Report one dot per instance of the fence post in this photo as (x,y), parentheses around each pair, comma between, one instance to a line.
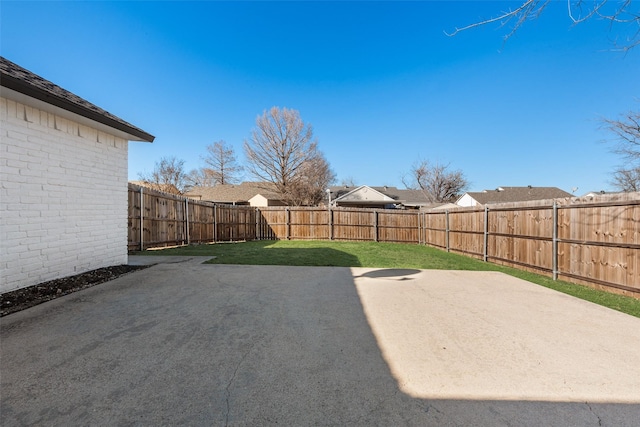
(486,233)
(330,223)
(287,221)
(375,226)
(554,245)
(141,220)
(215,223)
(446,232)
(186,219)
(257,224)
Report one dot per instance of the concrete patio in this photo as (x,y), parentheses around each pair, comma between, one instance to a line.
(182,343)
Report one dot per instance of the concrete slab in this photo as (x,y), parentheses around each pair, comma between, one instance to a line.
(187,343)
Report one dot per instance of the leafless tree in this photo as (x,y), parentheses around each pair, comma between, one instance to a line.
(436,182)
(627,180)
(281,149)
(627,132)
(203,177)
(623,13)
(168,175)
(222,165)
(348,182)
(314,178)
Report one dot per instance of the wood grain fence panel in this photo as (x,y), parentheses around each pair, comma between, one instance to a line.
(435,229)
(527,222)
(163,223)
(133,235)
(600,224)
(353,224)
(466,232)
(309,223)
(521,251)
(399,227)
(201,223)
(600,264)
(467,243)
(275,220)
(236,223)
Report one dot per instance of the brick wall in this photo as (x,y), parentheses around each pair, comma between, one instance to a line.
(63,197)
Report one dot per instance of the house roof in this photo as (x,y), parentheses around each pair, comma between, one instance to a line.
(404,196)
(365,195)
(517,194)
(235,193)
(24,82)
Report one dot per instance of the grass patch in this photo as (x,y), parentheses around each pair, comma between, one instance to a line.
(381,255)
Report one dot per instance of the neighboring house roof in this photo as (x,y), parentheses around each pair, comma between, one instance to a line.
(414,198)
(364,195)
(234,193)
(26,83)
(167,188)
(516,194)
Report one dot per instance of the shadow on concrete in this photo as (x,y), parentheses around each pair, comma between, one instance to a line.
(230,345)
(390,273)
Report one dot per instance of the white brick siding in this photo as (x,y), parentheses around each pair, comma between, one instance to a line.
(63,197)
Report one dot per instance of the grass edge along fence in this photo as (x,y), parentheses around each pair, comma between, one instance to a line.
(593,241)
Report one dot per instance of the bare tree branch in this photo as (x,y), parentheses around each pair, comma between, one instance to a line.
(627,180)
(627,137)
(223,167)
(168,176)
(616,12)
(437,183)
(282,150)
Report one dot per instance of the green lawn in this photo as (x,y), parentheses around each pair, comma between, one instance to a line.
(380,255)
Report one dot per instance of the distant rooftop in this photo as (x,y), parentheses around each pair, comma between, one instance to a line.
(518,194)
(234,193)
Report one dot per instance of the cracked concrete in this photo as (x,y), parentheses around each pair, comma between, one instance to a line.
(192,344)
(228,388)
(596,415)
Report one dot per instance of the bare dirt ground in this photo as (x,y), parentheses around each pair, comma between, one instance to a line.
(20,299)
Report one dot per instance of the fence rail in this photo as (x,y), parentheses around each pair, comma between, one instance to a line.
(592,241)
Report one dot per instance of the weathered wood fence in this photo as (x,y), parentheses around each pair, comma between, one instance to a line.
(593,241)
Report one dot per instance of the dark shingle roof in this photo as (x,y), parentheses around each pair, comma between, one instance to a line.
(14,77)
(518,194)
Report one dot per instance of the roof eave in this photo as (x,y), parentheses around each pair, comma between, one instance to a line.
(24,88)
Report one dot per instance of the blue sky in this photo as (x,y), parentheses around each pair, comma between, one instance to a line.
(380,82)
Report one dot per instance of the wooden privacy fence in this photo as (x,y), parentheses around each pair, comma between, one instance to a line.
(158,219)
(593,241)
(301,223)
